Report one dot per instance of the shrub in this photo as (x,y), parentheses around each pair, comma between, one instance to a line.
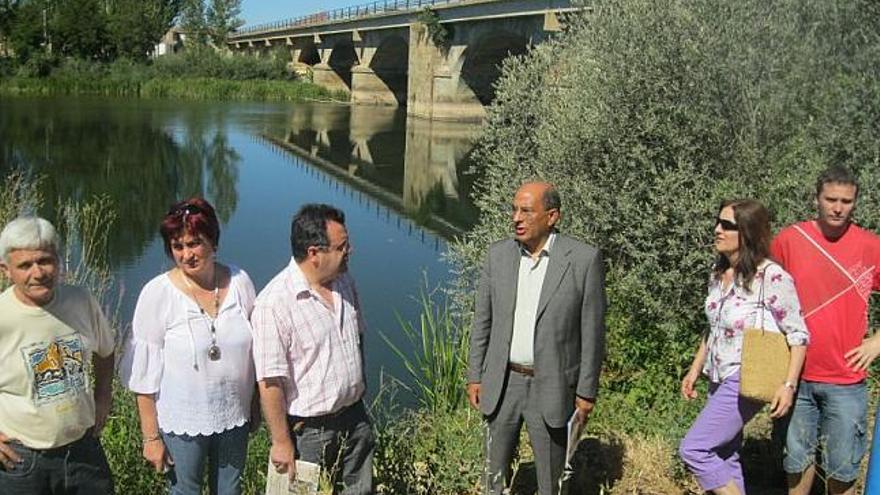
(652,111)
(39,64)
(205,62)
(420,452)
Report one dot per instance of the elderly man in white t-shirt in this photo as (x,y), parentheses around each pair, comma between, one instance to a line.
(51,334)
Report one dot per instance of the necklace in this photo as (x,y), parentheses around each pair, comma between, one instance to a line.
(213,351)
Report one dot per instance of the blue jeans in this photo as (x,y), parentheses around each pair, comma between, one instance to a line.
(79,467)
(342,444)
(833,420)
(225,453)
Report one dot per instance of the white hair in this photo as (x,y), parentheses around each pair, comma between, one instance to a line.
(28,232)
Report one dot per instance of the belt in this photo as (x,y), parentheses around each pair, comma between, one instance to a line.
(297,423)
(522,370)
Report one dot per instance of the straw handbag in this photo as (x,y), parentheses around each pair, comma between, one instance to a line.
(764,362)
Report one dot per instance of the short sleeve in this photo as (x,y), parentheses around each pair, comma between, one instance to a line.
(781,300)
(104,335)
(271,342)
(362,322)
(777,251)
(246,292)
(876,252)
(143,361)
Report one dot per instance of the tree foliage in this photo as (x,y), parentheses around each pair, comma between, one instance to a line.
(79,28)
(136,26)
(223,18)
(193,21)
(85,29)
(646,113)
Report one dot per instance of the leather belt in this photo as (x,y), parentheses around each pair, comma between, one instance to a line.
(522,370)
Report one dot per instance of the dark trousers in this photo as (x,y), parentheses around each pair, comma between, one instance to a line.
(78,468)
(520,403)
(342,444)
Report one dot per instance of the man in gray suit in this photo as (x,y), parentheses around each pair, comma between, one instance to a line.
(538,338)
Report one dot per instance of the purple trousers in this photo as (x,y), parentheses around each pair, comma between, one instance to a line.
(710,450)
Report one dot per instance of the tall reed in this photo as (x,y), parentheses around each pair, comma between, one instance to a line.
(437,359)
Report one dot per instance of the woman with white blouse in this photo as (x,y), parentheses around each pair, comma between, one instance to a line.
(189,359)
(743,273)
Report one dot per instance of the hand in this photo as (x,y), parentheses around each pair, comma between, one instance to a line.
(282,455)
(584,407)
(157,455)
(782,402)
(8,457)
(687,385)
(861,357)
(473,391)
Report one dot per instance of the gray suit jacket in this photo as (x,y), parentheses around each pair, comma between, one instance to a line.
(569,331)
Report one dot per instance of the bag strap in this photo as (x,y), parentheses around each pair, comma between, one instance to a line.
(763,274)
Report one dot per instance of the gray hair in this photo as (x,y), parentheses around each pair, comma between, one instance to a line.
(29,232)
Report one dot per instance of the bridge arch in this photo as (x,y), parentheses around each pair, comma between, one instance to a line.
(481,61)
(391,65)
(342,58)
(309,55)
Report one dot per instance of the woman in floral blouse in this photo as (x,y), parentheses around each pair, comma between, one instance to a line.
(742,240)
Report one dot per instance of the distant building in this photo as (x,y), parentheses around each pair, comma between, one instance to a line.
(172,42)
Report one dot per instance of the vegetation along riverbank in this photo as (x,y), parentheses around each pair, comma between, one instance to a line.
(138,48)
(201,74)
(649,113)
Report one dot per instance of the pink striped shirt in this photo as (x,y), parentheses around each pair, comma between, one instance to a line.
(314,347)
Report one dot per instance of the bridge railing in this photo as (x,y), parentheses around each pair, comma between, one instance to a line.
(343,13)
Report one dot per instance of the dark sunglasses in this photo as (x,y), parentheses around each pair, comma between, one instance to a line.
(184,210)
(727,225)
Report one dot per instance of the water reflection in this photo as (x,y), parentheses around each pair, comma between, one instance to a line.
(413,166)
(258,163)
(86,148)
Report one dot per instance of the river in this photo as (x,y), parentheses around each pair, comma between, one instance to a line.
(403,184)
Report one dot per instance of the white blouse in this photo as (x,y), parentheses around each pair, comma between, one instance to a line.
(167,355)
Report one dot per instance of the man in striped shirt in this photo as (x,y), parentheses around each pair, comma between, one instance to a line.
(309,358)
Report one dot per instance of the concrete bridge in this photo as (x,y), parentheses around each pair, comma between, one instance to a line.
(388,52)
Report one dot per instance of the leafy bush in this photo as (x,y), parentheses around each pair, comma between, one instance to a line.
(37,65)
(652,111)
(421,452)
(205,62)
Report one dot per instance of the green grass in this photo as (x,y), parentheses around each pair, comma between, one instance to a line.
(201,88)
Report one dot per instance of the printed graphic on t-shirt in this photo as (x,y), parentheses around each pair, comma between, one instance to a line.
(57,368)
(864,279)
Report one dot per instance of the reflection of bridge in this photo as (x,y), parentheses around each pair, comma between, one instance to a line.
(386,206)
(383,53)
(411,168)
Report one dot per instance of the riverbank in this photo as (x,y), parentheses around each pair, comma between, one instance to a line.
(195,75)
(200,88)
(435,448)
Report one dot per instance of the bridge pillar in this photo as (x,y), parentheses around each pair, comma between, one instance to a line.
(326,76)
(367,87)
(433,85)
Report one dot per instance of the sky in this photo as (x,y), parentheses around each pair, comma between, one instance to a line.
(260,11)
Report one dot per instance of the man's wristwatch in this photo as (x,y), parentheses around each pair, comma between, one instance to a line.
(790,385)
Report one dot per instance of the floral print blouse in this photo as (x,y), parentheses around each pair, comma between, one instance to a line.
(732,310)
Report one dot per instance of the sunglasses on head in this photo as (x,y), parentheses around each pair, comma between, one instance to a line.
(184,210)
(726,224)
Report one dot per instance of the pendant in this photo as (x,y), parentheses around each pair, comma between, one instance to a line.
(214,353)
